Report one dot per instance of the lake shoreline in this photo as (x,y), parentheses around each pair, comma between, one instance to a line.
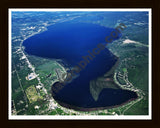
(94,108)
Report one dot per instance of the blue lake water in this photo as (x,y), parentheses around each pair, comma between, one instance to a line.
(70,41)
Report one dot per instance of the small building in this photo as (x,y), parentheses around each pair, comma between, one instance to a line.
(38,86)
(31,76)
(36,107)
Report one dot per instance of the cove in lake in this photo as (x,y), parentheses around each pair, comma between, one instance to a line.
(70,41)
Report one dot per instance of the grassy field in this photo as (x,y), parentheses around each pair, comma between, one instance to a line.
(32,94)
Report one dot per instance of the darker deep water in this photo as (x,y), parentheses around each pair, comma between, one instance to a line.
(69,42)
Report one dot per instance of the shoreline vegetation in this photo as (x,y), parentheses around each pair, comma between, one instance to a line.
(92,109)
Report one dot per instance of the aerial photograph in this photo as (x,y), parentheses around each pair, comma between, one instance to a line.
(79,63)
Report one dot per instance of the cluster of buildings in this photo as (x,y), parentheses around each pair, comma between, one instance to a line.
(31,76)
